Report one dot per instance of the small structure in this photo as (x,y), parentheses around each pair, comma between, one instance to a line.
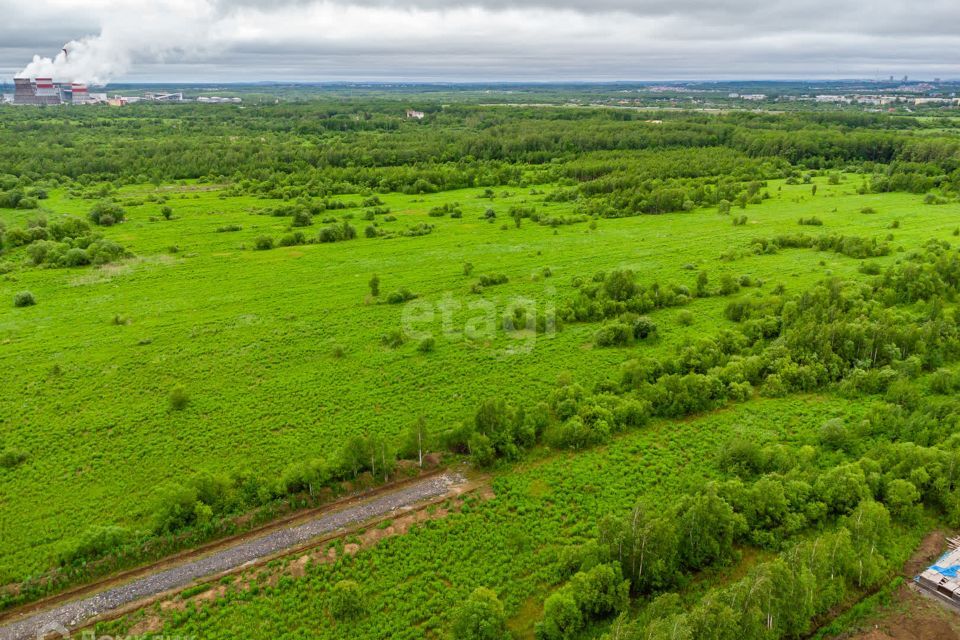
(941,578)
(416,115)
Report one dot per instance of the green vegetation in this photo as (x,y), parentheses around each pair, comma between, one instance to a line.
(694,414)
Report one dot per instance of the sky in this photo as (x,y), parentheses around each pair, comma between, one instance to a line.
(481,40)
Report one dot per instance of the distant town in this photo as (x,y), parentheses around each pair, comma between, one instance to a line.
(886,95)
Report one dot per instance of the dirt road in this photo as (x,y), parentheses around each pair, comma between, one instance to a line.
(69,615)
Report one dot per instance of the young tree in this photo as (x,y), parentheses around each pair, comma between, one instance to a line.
(480,617)
(416,439)
(375,285)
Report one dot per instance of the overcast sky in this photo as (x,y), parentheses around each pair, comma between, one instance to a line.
(437,40)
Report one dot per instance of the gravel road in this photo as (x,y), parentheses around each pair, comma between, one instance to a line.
(72,614)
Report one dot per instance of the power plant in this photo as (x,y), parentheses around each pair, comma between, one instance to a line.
(45,91)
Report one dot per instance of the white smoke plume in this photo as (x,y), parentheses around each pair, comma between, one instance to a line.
(91,60)
(147,32)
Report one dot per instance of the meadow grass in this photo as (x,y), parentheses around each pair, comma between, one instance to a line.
(251,335)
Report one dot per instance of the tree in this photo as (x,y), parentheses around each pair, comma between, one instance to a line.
(645,545)
(562,618)
(416,440)
(902,497)
(481,450)
(620,285)
(375,285)
(480,617)
(707,526)
(166,212)
(601,591)
(346,601)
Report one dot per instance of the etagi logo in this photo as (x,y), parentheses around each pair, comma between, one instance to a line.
(52,630)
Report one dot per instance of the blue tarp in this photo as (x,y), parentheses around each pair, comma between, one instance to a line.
(948,570)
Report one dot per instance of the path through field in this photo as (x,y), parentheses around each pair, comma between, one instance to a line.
(69,615)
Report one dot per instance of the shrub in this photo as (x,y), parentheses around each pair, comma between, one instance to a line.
(643,327)
(685,318)
(346,601)
(106,213)
(400,296)
(337,233)
(24,299)
(179,398)
(393,339)
(263,243)
(481,449)
(229,228)
(617,334)
(868,210)
(96,541)
(10,458)
(488,280)
(75,257)
(834,435)
(166,212)
(293,239)
(301,218)
(426,345)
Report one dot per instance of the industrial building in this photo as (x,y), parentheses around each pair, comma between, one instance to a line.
(44,91)
(941,578)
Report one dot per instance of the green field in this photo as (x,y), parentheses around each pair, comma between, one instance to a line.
(785,261)
(251,335)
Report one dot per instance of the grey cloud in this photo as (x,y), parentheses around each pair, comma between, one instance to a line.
(562,39)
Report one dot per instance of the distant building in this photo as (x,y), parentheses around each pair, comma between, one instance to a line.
(218,100)
(754,96)
(416,115)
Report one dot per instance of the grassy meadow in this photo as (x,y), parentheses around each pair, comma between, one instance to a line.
(253,336)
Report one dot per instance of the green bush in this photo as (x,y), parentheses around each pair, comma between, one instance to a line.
(263,243)
(400,296)
(346,601)
(179,398)
(10,458)
(24,299)
(106,213)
